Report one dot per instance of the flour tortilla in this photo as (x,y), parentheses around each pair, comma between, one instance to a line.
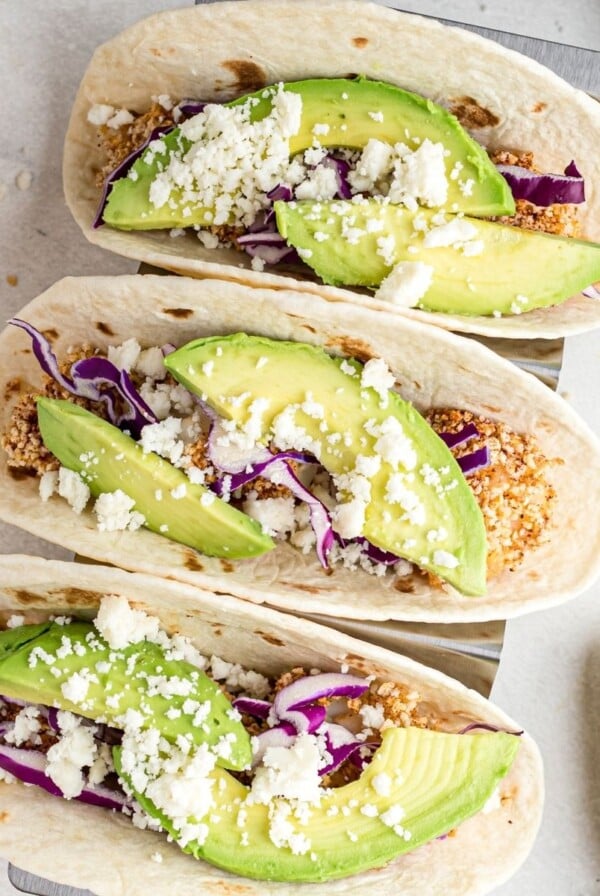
(217,51)
(90,848)
(433,368)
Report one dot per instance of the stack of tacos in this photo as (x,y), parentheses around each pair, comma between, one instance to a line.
(255,434)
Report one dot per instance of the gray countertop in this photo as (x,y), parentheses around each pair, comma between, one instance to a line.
(549,679)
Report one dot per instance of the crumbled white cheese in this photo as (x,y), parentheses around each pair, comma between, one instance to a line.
(76,750)
(419,176)
(276,515)
(26,724)
(115,512)
(372,716)
(382,784)
(163,438)
(445,559)
(290,772)
(406,284)
(377,375)
(121,625)
(457,230)
(392,444)
(151,363)
(321,183)
(15,620)
(398,493)
(72,487)
(99,114)
(125,356)
(48,484)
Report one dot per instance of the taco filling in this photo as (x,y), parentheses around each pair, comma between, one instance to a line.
(366,184)
(301,777)
(233,444)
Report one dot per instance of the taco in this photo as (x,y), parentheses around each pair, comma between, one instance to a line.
(361,179)
(269,457)
(313,799)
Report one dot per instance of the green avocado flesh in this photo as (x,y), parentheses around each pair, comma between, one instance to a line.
(438,779)
(109,460)
(232,372)
(132,674)
(516,271)
(406,117)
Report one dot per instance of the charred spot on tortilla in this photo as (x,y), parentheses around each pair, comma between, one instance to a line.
(13,387)
(226,565)
(248,74)
(352,347)
(360,42)
(192,562)
(104,328)
(20,473)
(471,114)
(179,313)
(405,586)
(539,107)
(51,334)
(270,639)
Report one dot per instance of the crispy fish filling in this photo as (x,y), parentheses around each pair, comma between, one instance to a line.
(513,492)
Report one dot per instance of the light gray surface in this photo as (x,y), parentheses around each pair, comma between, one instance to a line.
(550,675)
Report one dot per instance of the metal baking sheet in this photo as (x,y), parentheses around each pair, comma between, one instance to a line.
(468,652)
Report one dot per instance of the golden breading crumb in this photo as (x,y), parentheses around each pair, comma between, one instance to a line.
(118,143)
(22,440)
(198,453)
(558,219)
(264,488)
(288,678)
(513,492)
(23,443)
(398,705)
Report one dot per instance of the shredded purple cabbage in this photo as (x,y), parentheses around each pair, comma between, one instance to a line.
(545,189)
(87,376)
(477,460)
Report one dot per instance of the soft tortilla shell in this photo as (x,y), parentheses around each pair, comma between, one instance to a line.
(87,847)
(220,50)
(433,369)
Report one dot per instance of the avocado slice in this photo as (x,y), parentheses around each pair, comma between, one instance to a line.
(50,663)
(108,460)
(513,271)
(445,534)
(439,780)
(353,111)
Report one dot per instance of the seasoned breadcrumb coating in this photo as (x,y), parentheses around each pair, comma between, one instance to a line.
(118,143)
(513,492)
(22,441)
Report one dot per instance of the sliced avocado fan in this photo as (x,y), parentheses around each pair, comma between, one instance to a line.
(435,781)
(108,460)
(336,112)
(297,396)
(71,667)
(499,269)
